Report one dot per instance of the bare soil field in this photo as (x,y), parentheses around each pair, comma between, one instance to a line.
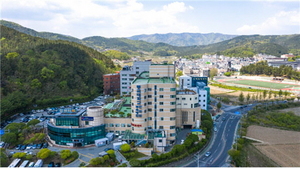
(282,146)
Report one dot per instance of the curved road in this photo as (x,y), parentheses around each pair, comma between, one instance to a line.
(222,140)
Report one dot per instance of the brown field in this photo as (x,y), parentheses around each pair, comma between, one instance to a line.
(282,146)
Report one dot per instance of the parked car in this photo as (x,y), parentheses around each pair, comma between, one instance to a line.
(31,164)
(106,149)
(207,154)
(224,118)
(23,147)
(51,164)
(58,165)
(39,146)
(18,147)
(34,146)
(45,145)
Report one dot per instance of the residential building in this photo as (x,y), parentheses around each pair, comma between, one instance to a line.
(111,84)
(128,73)
(153,102)
(188,111)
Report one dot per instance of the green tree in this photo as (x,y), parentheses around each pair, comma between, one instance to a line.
(33,122)
(4,158)
(44,153)
(270,94)
(10,138)
(106,158)
(64,154)
(213,72)
(135,163)
(35,83)
(248,97)
(125,148)
(95,161)
(47,73)
(285,93)
(111,153)
(280,93)
(241,97)
(132,144)
(219,105)
(19,155)
(264,94)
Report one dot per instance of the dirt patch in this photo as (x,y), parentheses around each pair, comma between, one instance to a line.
(281,146)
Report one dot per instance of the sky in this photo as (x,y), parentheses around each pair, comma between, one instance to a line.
(125,18)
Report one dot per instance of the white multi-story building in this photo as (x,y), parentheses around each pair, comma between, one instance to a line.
(153,102)
(128,73)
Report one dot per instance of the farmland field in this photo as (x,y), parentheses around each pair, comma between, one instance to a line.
(281,146)
(273,85)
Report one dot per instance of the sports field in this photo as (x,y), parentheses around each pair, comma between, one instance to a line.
(262,84)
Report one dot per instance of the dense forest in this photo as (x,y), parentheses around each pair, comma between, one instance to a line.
(240,46)
(40,72)
(261,68)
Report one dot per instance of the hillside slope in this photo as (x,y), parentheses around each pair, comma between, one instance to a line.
(37,71)
(184,39)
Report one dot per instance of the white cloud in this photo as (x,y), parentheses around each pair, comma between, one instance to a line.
(125,17)
(284,20)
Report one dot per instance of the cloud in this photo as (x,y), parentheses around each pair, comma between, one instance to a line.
(281,22)
(81,18)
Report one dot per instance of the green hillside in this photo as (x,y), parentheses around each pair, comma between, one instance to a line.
(241,46)
(37,71)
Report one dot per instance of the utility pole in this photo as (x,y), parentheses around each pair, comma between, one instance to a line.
(197,159)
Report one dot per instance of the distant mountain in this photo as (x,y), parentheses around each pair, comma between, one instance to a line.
(235,46)
(38,71)
(184,39)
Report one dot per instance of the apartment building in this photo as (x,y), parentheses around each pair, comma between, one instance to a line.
(199,85)
(153,102)
(128,73)
(111,83)
(188,111)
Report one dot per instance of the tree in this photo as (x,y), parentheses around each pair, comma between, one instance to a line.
(95,161)
(270,94)
(106,158)
(4,158)
(213,72)
(111,153)
(44,153)
(125,148)
(10,138)
(64,154)
(135,163)
(19,155)
(219,105)
(33,122)
(241,97)
(285,93)
(280,93)
(248,97)
(264,94)
(132,144)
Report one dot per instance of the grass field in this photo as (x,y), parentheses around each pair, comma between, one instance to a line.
(262,84)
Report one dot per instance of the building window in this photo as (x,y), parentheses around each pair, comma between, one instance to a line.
(149,103)
(149,109)
(117,125)
(160,140)
(161,89)
(128,125)
(172,96)
(161,96)
(124,87)
(149,118)
(161,109)
(149,96)
(190,98)
(173,89)
(123,125)
(184,103)
(132,119)
(172,134)
(145,119)
(191,105)
(177,98)
(149,89)
(161,119)
(111,125)
(172,118)
(132,97)
(172,103)
(203,100)
(161,103)
(203,95)
(161,127)
(183,98)
(124,74)
(172,127)
(145,104)
(203,105)
(137,68)
(178,103)
(172,110)
(124,78)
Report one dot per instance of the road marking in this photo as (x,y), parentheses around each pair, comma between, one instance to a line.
(86,155)
(82,160)
(91,154)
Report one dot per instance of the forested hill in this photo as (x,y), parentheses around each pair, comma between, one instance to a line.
(240,46)
(37,71)
(184,39)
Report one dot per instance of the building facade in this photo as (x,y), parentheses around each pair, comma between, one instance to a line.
(188,111)
(111,84)
(128,73)
(77,128)
(153,102)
